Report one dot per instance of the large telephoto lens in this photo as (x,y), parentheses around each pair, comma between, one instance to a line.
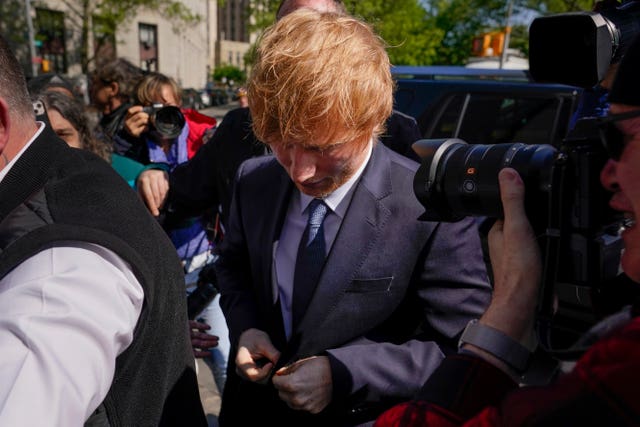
(169,122)
(457,179)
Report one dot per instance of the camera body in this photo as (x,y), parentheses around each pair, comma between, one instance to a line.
(577,48)
(564,201)
(203,291)
(40,111)
(166,121)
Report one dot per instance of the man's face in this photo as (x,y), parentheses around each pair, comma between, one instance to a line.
(317,169)
(623,178)
(101,94)
(166,97)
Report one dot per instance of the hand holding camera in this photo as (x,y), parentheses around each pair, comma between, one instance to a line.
(516,262)
(166,121)
(136,121)
(564,202)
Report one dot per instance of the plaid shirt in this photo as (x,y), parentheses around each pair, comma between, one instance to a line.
(602,390)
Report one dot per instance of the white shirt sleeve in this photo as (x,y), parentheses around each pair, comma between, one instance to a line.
(65,314)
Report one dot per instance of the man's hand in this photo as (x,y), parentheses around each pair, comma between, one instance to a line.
(305,385)
(136,121)
(254,349)
(516,261)
(153,186)
(201,341)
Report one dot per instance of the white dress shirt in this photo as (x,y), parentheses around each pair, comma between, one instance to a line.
(285,250)
(66,313)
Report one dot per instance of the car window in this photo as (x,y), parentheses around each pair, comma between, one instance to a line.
(493,119)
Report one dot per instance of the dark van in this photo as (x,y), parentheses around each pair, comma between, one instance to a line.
(484,106)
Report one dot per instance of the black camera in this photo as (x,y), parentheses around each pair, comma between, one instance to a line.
(564,201)
(168,120)
(204,292)
(577,48)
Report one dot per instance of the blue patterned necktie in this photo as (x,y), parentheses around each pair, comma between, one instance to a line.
(310,260)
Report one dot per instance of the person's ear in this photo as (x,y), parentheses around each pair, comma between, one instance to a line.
(115,88)
(5,124)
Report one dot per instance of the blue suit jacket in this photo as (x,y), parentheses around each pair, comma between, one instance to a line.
(394,293)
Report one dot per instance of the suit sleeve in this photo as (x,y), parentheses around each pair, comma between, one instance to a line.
(451,286)
(233,272)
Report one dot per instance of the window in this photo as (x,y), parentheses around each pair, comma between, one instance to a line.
(494,119)
(50,40)
(148,35)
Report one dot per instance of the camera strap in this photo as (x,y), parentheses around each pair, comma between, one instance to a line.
(552,239)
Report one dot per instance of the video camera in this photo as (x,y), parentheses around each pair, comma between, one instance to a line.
(577,48)
(565,203)
(168,120)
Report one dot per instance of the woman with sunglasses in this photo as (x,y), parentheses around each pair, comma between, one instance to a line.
(479,384)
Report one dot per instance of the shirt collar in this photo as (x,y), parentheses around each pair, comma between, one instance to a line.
(9,165)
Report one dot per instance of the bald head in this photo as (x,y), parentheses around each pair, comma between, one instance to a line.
(288,6)
(17,119)
(13,86)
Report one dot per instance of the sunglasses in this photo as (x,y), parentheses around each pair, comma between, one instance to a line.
(612,138)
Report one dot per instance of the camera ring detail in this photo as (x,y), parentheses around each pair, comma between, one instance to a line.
(433,169)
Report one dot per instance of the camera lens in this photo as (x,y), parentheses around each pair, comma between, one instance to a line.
(169,122)
(457,179)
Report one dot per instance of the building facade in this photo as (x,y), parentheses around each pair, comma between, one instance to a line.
(233,38)
(187,52)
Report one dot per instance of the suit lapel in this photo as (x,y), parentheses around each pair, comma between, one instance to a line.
(360,227)
(273,220)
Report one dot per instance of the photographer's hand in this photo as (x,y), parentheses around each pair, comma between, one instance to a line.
(136,121)
(517,267)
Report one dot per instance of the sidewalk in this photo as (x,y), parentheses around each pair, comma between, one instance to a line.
(209,394)
(219,110)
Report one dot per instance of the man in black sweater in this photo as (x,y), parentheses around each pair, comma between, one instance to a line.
(93,322)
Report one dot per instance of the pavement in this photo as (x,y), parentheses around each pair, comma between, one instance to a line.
(209,394)
(219,111)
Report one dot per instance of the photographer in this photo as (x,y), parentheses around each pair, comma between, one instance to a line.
(477,385)
(164,135)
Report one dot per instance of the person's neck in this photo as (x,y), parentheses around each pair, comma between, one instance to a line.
(5,160)
(166,145)
(114,104)
(19,137)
